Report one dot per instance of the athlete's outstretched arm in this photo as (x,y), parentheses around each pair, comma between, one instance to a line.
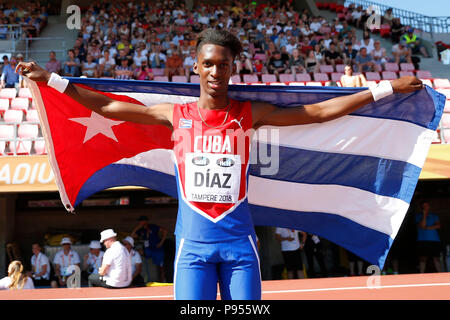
(103,105)
(268,114)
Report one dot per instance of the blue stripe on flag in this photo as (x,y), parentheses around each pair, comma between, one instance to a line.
(421,107)
(367,243)
(385,177)
(116,175)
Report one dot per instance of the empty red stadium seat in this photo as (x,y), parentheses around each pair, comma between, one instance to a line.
(39,147)
(266,77)
(250,78)
(303,77)
(194,78)
(179,79)
(8,93)
(24,93)
(4,105)
(161,78)
(12,116)
(336,76)
(235,78)
(32,116)
(407,67)
(423,74)
(326,68)
(340,68)
(385,30)
(389,75)
(391,66)
(427,82)
(445,92)
(286,77)
(21,147)
(447,106)
(405,73)
(320,77)
(158,71)
(6,131)
(20,104)
(441,83)
(28,131)
(373,76)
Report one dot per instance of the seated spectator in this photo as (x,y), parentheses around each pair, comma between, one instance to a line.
(397,29)
(277,65)
(332,56)
(72,65)
(367,43)
(89,68)
(349,54)
(379,55)
(174,65)
(40,266)
(319,54)
(364,61)
(106,65)
(93,259)
(16,278)
(292,44)
(144,72)
(258,66)
(9,78)
(243,65)
(115,271)
(296,62)
(53,65)
(188,63)
(139,56)
(136,263)
(94,50)
(306,46)
(413,42)
(311,62)
(350,80)
(123,71)
(388,17)
(62,261)
(157,59)
(401,53)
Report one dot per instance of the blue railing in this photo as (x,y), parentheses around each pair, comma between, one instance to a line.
(417,20)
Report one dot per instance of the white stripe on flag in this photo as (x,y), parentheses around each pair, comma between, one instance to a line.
(383,138)
(384,214)
(156,159)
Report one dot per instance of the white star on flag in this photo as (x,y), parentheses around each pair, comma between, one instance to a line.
(96,124)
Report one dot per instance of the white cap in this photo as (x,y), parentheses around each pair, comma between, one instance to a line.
(65,241)
(95,245)
(130,240)
(106,234)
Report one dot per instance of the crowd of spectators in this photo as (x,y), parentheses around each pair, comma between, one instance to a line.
(140,40)
(30,17)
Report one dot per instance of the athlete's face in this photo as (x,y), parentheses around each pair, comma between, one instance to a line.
(214,66)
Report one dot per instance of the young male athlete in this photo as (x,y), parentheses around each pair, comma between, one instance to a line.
(214,232)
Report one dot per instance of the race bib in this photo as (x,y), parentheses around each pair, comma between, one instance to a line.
(211,177)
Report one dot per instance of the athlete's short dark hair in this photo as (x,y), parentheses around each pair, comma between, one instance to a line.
(219,37)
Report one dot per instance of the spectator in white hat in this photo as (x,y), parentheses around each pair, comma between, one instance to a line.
(115,271)
(93,260)
(63,259)
(136,263)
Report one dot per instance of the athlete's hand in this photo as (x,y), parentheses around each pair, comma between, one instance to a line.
(406,84)
(32,71)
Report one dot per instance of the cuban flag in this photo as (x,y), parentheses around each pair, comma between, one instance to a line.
(349,180)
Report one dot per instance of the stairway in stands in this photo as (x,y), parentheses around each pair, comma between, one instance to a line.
(59,39)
